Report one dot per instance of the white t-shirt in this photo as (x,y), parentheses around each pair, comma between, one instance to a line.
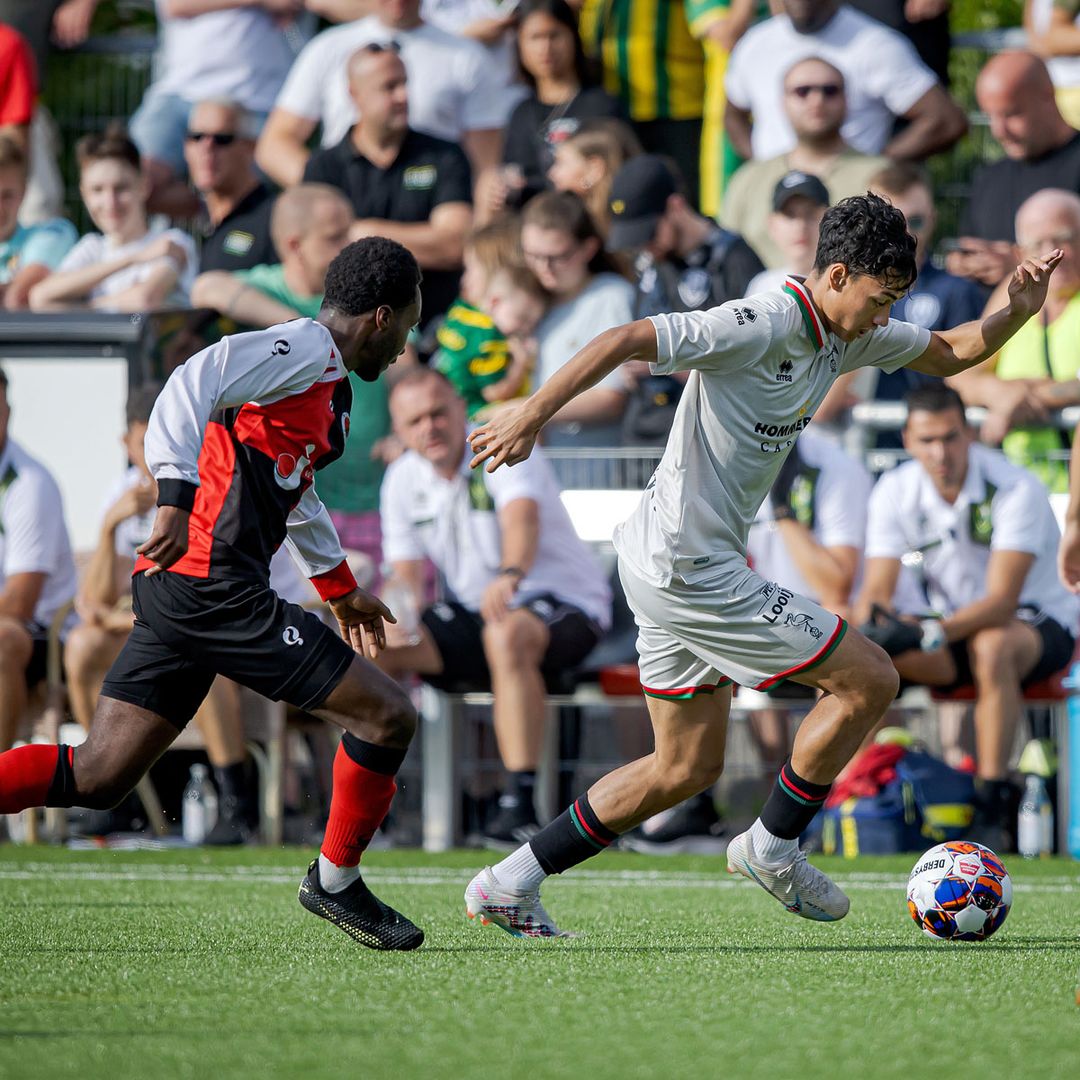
(33,533)
(454,16)
(95,248)
(766,281)
(759,369)
(883,76)
(607,301)
(455,524)
(1001,507)
(452,87)
(838,488)
(241,53)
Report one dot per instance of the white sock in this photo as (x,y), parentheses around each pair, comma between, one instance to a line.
(772,850)
(520,872)
(334,878)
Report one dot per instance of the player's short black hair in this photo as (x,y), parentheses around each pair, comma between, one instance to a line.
(935,397)
(869,236)
(140,403)
(369,273)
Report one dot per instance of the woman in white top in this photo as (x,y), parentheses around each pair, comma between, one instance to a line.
(561,246)
(126,267)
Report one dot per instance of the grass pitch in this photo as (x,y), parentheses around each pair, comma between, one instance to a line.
(203,964)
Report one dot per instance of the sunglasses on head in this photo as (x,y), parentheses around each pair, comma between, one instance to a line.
(826,90)
(377,47)
(218,138)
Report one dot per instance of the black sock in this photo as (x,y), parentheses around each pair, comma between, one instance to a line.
(380,759)
(231,781)
(792,804)
(574,836)
(519,790)
(62,789)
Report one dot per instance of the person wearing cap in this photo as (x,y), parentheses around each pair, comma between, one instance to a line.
(682,261)
(816,104)
(799,202)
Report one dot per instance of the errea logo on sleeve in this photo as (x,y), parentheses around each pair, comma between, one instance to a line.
(420,177)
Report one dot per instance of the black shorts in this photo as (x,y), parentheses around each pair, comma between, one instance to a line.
(38,669)
(189,630)
(1057,650)
(458,635)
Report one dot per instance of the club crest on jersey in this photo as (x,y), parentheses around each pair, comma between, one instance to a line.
(694,287)
(291,471)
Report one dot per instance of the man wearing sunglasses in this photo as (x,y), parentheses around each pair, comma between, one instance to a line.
(885,80)
(220,153)
(815,102)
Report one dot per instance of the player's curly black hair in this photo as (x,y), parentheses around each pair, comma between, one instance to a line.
(869,236)
(369,273)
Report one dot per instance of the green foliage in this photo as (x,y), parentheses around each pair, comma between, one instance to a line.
(118,965)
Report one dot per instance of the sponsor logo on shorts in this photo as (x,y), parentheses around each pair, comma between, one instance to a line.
(291,636)
(780,599)
(281,348)
(804,622)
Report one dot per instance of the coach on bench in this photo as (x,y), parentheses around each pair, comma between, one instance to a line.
(980,538)
(529,601)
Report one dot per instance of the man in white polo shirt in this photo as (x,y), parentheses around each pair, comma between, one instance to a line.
(529,600)
(454,92)
(982,538)
(759,369)
(37,572)
(883,77)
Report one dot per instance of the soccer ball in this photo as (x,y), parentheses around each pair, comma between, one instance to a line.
(959,891)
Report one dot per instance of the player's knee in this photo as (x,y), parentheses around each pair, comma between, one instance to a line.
(98,788)
(990,651)
(686,778)
(16,644)
(877,683)
(395,717)
(84,650)
(514,642)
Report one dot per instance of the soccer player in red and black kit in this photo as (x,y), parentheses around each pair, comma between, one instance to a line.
(234,442)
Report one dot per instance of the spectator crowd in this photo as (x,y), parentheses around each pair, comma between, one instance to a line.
(559,167)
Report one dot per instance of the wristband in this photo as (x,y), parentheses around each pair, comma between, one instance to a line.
(933,635)
(178,493)
(510,571)
(783,512)
(335,583)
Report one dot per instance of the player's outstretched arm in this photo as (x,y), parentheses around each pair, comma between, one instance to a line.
(956,350)
(509,436)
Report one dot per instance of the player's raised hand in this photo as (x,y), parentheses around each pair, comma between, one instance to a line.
(1030,280)
(168,540)
(360,616)
(507,438)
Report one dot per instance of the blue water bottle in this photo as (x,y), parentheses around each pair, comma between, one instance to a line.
(1072,683)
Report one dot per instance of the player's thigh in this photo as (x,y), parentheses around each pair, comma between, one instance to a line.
(518,638)
(855,669)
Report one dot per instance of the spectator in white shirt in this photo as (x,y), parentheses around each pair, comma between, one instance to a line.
(529,602)
(239,49)
(37,572)
(126,266)
(981,536)
(883,75)
(453,92)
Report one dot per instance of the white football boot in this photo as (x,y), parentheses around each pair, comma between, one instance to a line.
(801,888)
(520,914)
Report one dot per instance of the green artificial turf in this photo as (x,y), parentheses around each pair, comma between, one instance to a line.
(193,964)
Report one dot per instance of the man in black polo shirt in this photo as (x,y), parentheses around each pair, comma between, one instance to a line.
(403,185)
(1041,151)
(220,151)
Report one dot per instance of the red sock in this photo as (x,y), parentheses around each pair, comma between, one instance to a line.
(26,774)
(360,801)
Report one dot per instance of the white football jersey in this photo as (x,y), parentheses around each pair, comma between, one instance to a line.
(1001,507)
(836,489)
(759,369)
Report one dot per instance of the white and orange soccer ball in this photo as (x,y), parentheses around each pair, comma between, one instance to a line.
(959,891)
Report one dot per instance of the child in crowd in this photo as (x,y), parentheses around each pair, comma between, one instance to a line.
(27,253)
(586,164)
(127,266)
(486,344)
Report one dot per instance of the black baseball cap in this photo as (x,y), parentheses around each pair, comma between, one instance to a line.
(799,183)
(639,194)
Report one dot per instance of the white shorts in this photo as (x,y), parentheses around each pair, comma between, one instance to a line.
(734,627)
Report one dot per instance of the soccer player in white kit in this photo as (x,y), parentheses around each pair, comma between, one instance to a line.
(759,369)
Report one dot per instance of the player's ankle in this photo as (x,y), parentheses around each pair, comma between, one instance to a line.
(334,878)
(770,849)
